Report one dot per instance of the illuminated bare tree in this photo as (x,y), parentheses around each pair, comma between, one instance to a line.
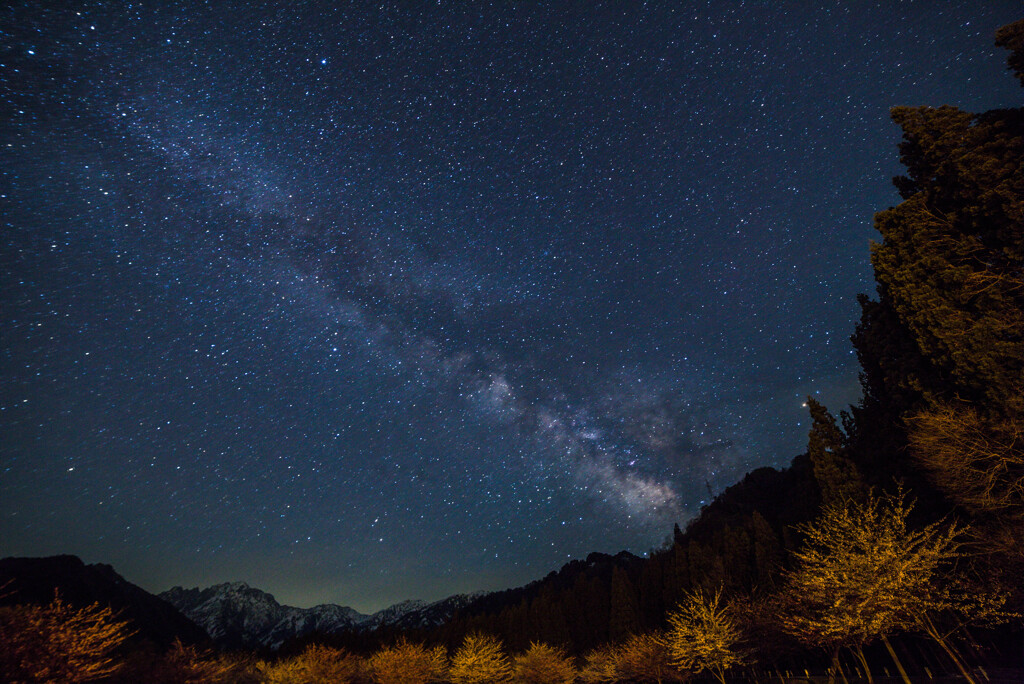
(59,643)
(863,574)
(601,666)
(977,461)
(408,663)
(480,660)
(704,636)
(183,664)
(645,658)
(544,664)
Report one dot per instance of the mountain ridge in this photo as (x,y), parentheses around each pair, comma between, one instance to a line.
(237,615)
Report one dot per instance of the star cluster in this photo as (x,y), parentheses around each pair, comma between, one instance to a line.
(360,303)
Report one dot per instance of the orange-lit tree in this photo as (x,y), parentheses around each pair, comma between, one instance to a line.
(544,664)
(480,660)
(703,635)
(408,663)
(59,643)
(863,574)
(600,666)
(645,658)
(315,664)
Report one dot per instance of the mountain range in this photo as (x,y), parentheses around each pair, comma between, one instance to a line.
(231,615)
(236,615)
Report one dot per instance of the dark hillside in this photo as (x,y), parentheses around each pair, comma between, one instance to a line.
(36,580)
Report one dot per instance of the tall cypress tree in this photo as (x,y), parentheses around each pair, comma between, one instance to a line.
(942,348)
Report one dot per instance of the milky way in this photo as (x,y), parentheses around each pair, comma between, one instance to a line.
(395,301)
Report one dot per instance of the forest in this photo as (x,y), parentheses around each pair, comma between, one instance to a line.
(891,550)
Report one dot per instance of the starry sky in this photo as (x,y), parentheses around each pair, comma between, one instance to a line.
(398,300)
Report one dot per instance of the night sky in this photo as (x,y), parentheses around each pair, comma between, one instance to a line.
(405,299)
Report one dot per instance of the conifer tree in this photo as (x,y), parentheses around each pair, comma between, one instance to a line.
(624,619)
(942,348)
(837,476)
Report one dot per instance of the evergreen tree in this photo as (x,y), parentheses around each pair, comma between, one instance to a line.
(835,473)
(943,346)
(1011,37)
(652,604)
(767,551)
(624,619)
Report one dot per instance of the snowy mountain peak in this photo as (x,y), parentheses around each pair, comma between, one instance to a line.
(237,615)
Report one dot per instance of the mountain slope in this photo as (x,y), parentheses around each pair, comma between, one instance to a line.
(36,580)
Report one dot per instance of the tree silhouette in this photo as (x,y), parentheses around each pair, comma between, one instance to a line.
(835,473)
(1011,37)
(624,614)
(943,346)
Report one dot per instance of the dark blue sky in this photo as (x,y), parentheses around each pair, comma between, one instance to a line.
(403,300)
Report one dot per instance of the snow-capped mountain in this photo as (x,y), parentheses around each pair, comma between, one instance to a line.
(237,615)
(419,614)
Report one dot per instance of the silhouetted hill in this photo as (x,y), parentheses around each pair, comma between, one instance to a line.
(784,498)
(35,580)
(738,542)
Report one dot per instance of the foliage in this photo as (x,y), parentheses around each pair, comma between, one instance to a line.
(943,346)
(408,663)
(835,473)
(59,643)
(624,609)
(479,660)
(544,664)
(864,573)
(645,658)
(979,461)
(190,665)
(600,666)
(1011,37)
(704,636)
(315,664)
